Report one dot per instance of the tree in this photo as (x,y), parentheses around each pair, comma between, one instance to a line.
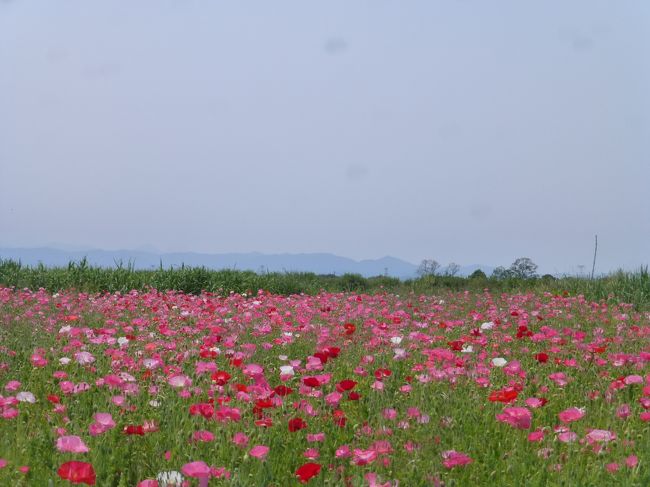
(523,268)
(428,267)
(478,274)
(501,273)
(452,269)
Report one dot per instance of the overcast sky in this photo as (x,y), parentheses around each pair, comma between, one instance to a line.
(465,131)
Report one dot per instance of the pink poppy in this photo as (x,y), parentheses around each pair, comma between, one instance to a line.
(259,451)
(571,414)
(71,444)
(452,459)
(517,417)
(196,469)
(363,457)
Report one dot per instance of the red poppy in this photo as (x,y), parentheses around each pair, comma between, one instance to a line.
(207,353)
(541,357)
(53,399)
(283,390)
(345,385)
(381,373)
(339,418)
(597,349)
(296,424)
(350,328)
(133,429)
(77,472)
(264,422)
(311,381)
(332,352)
(523,331)
(307,471)
(322,356)
(506,395)
(221,400)
(204,409)
(221,377)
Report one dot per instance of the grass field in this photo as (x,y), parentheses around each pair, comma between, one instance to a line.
(628,287)
(453,388)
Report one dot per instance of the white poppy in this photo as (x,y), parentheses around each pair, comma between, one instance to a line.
(499,361)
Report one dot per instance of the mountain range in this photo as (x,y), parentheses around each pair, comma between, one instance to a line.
(319,263)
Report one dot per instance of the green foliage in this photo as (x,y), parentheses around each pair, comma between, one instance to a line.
(478,274)
(631,287)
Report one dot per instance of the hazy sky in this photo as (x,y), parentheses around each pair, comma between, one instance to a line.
(467,131)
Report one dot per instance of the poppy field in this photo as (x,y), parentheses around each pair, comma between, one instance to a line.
(153,388)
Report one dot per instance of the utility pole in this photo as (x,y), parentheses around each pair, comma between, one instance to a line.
(593,267)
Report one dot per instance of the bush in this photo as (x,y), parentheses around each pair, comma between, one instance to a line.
(478,274)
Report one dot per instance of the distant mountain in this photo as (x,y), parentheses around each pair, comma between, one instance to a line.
(319,263)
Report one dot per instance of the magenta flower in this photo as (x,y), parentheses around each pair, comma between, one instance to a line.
(196,469)
(240,439)
(452,459)
(259,451)
(363,457)
(600,436)
(517,417)
(71,444)
(571,414)
(179,381)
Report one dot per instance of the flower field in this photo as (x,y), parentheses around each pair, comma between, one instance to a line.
(166,388)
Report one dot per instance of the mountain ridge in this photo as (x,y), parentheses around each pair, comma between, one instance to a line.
(317,262)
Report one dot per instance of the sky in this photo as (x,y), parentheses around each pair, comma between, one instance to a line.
(464,131)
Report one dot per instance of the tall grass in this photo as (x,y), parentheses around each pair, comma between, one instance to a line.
(630,287)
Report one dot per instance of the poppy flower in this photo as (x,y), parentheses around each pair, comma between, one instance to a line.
(363,457)
(381,373)
(332,352)
(71,444)
(541,357)
(506,395)
(345,385)
(536,402)
(311,381)
(322,356)
(264,422)
(452,458)
(571,414)
(259,451)
(77,472)
(220,377)
(339,418)
(602,436)
(296,424)
(516,417)
(307,471)
(282,390)
(196,469)
(133,429)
